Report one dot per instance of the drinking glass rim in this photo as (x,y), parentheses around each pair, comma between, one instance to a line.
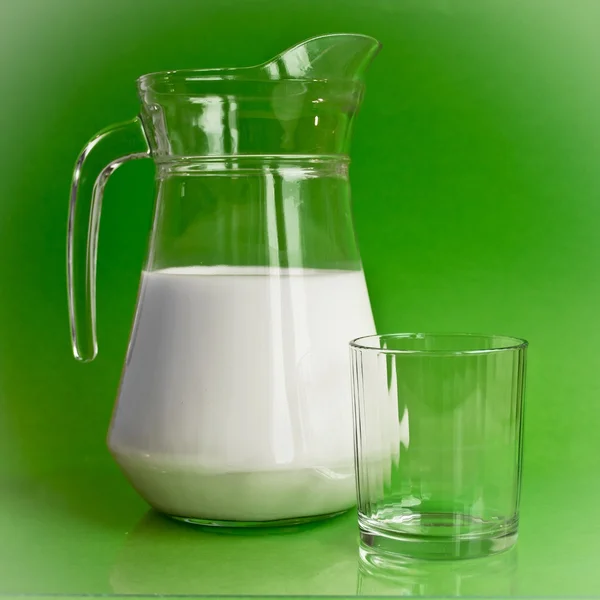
(508,343)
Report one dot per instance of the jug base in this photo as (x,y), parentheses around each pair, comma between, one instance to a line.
(257,524)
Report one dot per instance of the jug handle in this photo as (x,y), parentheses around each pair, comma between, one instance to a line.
(101,156)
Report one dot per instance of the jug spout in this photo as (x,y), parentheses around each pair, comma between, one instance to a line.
(341,56)
(302,102)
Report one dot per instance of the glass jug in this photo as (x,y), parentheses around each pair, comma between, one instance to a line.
(234,405)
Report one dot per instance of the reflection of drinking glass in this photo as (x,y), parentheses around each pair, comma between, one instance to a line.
(164,557)
(438,442)
(385,575)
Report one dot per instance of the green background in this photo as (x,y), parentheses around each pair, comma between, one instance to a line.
(477,201)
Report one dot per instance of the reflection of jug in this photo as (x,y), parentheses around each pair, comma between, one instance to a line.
(162,557)
(392,575)
(234,403)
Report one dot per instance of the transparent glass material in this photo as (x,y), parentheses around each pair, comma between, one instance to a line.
(438,442)
(233,406)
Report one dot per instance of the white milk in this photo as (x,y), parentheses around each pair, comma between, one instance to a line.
(235,402)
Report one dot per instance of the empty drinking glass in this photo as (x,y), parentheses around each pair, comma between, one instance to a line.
(438,422)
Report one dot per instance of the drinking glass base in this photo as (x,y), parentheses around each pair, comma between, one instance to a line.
(436,538)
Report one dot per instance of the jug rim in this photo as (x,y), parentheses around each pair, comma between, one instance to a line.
(147,80)
(258,72)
